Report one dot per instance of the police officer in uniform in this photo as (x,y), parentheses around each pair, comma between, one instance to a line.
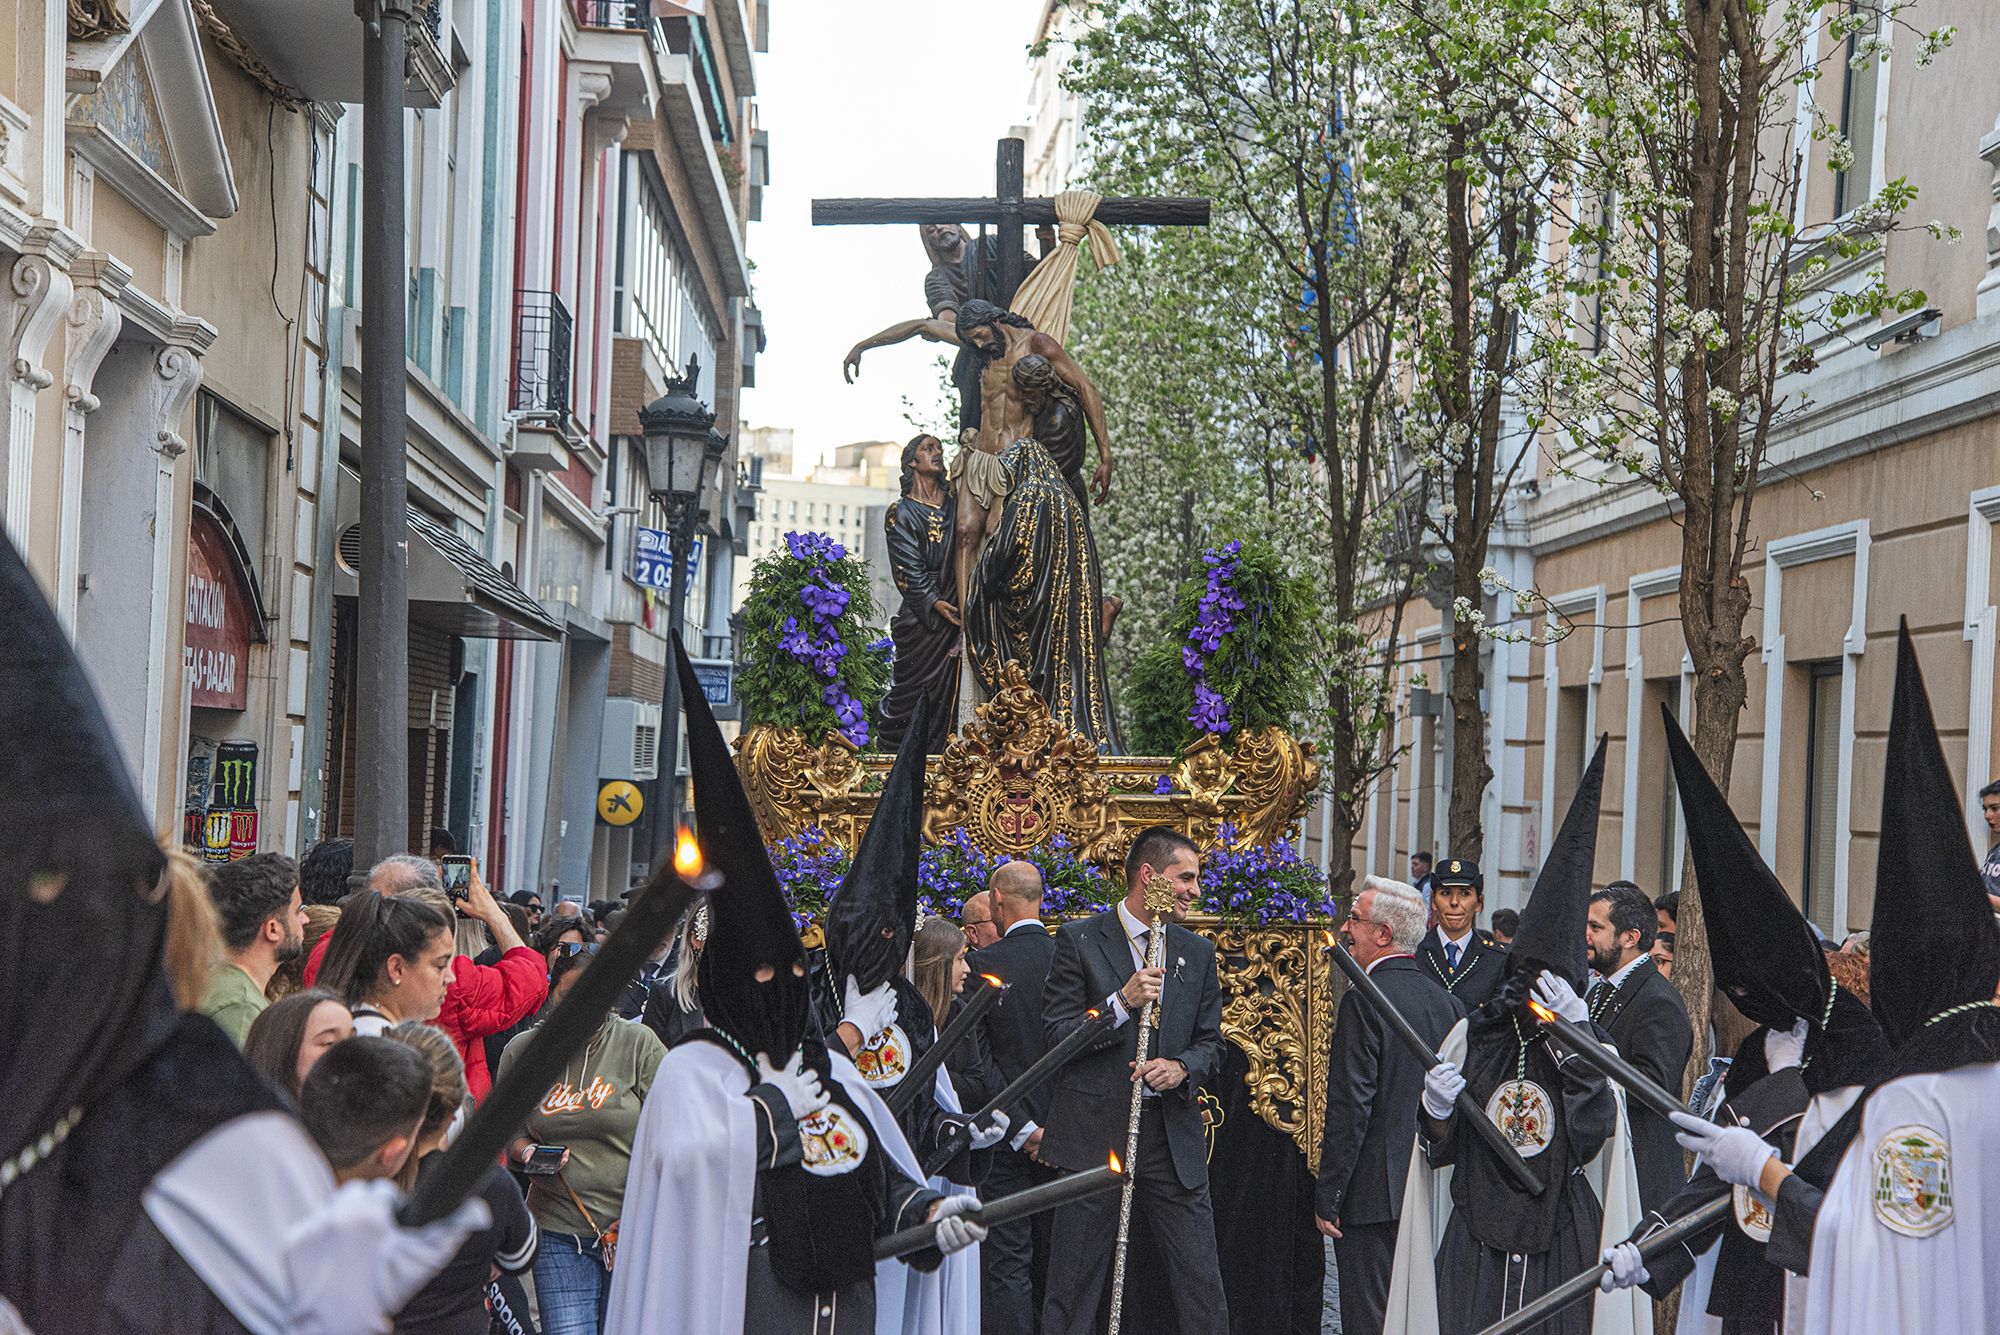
(1468,963)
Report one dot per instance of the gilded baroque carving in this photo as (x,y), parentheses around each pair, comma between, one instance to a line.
(1278,1005)
(1014,779)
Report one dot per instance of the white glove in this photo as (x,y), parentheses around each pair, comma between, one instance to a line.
(801,1088)
(1736,1154)
(1442,1086)
(1782,1051)
(957,1228)
(871,1012)
(350,1267)
(1553,990)
(993,1134)
(1627,1267)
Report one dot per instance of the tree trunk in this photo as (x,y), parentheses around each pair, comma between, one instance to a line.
(1469,771)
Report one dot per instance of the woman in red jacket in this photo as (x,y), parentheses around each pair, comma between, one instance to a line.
(482,999)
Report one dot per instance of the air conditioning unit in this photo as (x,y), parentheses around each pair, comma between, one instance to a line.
(631,744)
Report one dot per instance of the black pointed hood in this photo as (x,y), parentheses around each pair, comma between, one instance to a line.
(80,890)
(871,918)
(1553,921)
(1765,957)
(750,926)
(1932,944)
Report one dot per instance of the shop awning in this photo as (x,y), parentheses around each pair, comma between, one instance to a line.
(452,587)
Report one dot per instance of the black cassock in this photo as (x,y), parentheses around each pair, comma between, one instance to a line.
(1037,598)
(926,667)
(1503,1248)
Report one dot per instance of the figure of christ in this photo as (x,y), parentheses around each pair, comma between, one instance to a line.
(999,340)
(962,270)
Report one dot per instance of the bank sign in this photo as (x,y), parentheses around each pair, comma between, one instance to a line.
(218,620)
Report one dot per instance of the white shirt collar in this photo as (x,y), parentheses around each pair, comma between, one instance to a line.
(1035,923)
(1460,942)
(1393,955)
(1133,926)
(1617,978)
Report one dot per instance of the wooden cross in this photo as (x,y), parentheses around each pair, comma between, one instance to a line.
(1008,209)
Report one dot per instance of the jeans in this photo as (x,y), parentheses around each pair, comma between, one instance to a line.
(572,1287)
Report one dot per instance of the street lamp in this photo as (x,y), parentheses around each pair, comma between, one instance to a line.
(683,450)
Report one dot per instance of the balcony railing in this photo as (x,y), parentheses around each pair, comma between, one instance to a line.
(628,14)
(542,339)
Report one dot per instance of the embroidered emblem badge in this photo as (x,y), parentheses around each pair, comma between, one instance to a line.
(1523,1112)
(834,1141)
(884,1059)
(1751,1215)
(1913,1181)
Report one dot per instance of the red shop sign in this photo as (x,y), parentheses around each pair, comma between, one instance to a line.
(218,618)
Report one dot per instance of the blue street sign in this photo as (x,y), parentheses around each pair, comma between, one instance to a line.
(716,676)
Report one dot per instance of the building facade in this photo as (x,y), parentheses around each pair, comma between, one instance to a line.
(179,198)
(847,499)
(1880,501)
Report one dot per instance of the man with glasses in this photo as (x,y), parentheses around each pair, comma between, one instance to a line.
(976,917)
(1372,1087)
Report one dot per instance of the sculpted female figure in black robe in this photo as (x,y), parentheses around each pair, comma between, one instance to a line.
(1037,598)
(925,628)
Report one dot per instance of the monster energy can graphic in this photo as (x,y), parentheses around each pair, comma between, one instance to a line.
(229,829)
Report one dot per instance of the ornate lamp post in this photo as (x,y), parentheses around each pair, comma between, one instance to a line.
(683,452)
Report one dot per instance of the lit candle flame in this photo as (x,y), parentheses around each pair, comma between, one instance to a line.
(1541,1012)
(1328,934)
(1116,1167)
(991,979)
(687,856)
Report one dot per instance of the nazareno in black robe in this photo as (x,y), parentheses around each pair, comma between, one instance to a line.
(1503,1248)
(1038,599)
(812,1263)
(927,659)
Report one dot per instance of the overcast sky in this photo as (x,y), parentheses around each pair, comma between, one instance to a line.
(870,97)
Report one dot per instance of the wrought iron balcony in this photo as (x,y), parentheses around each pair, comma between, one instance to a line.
(625,14)
(543,331)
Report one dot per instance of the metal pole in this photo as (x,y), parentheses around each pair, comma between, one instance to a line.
(667,788)
(382,648)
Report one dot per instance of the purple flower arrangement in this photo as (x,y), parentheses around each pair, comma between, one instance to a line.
(1215,618)
(1262,883)
(810,659)
(950,871)
(810,868)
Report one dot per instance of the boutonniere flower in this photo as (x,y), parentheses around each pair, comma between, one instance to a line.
(1179,960)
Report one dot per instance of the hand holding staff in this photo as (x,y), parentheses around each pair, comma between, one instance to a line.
(1007,1100)
(1586,1048)
(1584,1285)
(1068,1187)
(1467,1109)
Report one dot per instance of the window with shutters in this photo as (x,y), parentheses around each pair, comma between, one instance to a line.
(1822,822)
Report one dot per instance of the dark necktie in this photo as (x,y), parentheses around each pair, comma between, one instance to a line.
(1451,954)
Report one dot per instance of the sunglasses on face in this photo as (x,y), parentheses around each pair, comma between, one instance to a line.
(577,948)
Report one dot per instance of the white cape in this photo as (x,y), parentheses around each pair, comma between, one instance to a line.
(1427,1205)
(1821,1113)
(1883,1264)
(908,1301)
(684,1234)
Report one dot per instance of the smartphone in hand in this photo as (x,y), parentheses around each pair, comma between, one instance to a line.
(456,868)
(544,1160)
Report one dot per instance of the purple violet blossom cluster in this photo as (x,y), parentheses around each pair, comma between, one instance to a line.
(810,868)
(1215,617)
(1262,884)
(819,646)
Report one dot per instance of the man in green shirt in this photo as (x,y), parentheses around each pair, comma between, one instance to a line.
(263,926)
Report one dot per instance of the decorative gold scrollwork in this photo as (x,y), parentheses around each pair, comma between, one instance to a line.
(1013,779)
(1278,1003)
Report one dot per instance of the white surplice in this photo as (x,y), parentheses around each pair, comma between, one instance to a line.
(1899,1248)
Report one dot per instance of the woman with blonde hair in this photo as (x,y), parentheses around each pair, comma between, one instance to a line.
(454,1303)
(940,972)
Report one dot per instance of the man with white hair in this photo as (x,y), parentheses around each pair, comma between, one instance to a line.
(1372,1087)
